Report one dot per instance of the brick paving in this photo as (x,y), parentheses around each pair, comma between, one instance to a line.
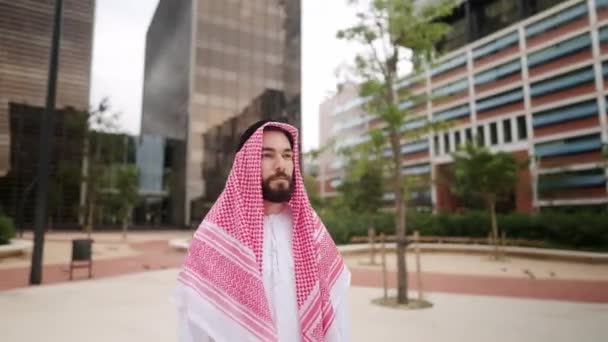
(157,255)
(556,289)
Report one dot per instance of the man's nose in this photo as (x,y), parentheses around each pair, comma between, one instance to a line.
(280,165)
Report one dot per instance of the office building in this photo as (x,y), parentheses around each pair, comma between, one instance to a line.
(25,40)
(535,88)
(206,61)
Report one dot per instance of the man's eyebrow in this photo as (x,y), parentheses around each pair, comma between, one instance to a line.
(270,149)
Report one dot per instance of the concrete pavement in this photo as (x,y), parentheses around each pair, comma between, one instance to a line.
(136,308)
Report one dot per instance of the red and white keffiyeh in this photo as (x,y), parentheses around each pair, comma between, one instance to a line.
(222,273)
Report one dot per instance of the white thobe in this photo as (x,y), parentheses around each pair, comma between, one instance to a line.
(279,282)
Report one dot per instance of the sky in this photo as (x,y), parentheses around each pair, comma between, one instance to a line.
(119,45)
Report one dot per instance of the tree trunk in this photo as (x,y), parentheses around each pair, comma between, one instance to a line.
(400,204)
(492,206)
(124,229)
(84,181)
(90,217)
(371,232)
(125,225)
(400,226)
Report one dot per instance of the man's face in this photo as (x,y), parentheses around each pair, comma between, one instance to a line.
(277,167)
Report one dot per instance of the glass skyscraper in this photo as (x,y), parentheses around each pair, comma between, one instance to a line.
(206,61)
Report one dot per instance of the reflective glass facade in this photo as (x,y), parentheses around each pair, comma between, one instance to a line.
(206,62)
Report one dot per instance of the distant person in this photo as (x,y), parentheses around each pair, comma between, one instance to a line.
(261,266)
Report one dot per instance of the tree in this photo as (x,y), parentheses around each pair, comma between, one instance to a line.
(363,185)
(387,28)
(99,151)
(491,176)
(362,188)
(127,195)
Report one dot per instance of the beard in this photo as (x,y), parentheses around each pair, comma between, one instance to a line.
(281,193)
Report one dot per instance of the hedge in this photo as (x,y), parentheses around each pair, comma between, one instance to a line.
(581,231)
(7,229)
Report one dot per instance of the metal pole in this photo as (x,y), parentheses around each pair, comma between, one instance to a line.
(47,125)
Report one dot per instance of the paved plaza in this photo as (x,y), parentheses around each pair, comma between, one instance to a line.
(136,308)
(474,299)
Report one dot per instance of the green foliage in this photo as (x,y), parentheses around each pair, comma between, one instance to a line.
(127,180)
(478,171)
(578,231)
(121,183)
(7,229)
(310,184)
(384,28)
(362,188)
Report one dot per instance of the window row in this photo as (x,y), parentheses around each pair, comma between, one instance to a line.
(452,88)
(569,146)
(496,45)
(558,19)
(498,72)
(501,132)
(560,49)
(564,114)
(569,180)
(448,65)
(561,82)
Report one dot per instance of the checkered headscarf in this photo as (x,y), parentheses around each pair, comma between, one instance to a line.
(224,262)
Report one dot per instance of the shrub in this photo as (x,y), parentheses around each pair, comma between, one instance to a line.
(584,230)
(7,229)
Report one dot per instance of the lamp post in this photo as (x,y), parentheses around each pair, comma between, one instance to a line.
(46,129)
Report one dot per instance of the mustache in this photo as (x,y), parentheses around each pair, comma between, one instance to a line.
(278,176)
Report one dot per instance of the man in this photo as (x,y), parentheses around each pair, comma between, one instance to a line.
(261,266)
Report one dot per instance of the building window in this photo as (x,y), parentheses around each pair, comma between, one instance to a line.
(481,138)
(569,146)
(500,100)
(496,73)
(452,88)
(506,130)
(448,65)
(436,145)
(560,49)
(558,19)
(468,134)
(497,45)
(568,180)
(415,147)
(452,113)
(564,114)
(457,140)
(562,82)
(446,142)
(413,124)
(603,32)
(522,128)
(418,169)
(493,133)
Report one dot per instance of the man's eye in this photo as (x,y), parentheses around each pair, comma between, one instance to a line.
(287,156)
(267,155)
